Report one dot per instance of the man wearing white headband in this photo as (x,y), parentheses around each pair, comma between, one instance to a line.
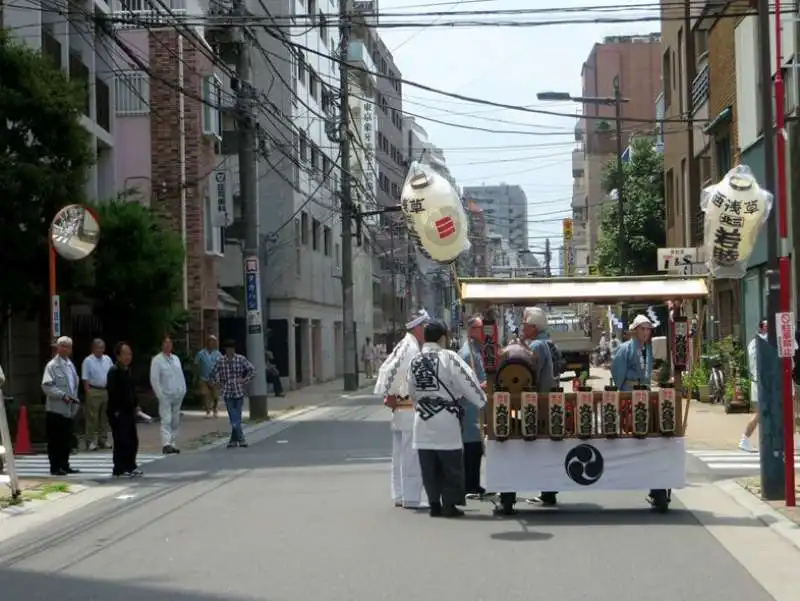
(633,363)
(392,385)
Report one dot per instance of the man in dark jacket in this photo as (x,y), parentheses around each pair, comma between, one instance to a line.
(122,411)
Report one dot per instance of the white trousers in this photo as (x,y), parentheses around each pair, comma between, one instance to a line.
(406,475)
(169,412)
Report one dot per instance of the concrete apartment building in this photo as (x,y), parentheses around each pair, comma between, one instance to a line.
(505,208)
(85,54)
(636,61)
(389,262)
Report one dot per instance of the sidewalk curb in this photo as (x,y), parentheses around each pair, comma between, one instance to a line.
(779,524)
(255,429)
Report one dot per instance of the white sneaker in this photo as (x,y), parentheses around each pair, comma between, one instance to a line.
(744,445)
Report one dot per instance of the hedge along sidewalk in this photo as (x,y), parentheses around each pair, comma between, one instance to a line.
(198,431)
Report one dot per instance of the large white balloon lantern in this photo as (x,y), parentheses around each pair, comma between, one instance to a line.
(736,209)
(435,216)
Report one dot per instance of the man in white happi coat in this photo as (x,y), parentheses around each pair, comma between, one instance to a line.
(392,385)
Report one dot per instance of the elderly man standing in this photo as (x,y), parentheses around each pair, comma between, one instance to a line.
(60,386)
(94,373)
(169,386)
(470,353)
(536,337)
(205,362)
(392,385)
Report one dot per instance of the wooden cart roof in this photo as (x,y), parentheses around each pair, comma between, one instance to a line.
(582,290)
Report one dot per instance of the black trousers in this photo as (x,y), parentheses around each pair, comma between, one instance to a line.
(473,453)
(58,430)
(443,476)
(275,380)
(126,442)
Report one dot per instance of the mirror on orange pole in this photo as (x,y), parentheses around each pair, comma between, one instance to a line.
(74,235)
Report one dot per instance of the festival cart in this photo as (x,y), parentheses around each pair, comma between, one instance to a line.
(587,439)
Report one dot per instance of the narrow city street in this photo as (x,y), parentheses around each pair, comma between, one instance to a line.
(306,514)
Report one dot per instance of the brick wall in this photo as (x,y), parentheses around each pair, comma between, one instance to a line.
(675,134)
(200,160)
(722,71)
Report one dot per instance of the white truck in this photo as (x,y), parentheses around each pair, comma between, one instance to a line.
(569,332)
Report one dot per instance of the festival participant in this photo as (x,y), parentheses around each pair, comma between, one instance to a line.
(392,385)
(437,380)
(470,353)
(633,363)
(536,336)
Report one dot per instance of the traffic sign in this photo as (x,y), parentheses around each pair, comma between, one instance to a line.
(677,259)
(784,327)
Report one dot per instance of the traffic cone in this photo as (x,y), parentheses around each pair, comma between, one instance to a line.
(23,446)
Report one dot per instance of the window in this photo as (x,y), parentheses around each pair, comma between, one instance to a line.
(303,147)
(326,166)
(212,95)
(722,150)
(669,194)
(315,228)
(338,250)
(298,247)
(666,77)
(314,158)
(133,93)
(213,235)
(327,239)
(304,228)
(301,67)
(313,84)
(681,86)
(323,27)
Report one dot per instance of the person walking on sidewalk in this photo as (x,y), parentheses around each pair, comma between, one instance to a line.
(94,373)
(122,413)
(752,367)
(60,386)
(205,361)
(169,386)
(368,357)
(232,373)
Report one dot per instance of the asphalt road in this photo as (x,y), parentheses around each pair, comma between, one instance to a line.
(306,515)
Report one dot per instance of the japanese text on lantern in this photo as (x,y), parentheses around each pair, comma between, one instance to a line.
(728,235)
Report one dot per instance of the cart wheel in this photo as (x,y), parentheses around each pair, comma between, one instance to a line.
(507,501)
(660,500)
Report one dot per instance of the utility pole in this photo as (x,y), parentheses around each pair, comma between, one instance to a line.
(547,257)
(348,314)
(393,272)
(248,189)
(623,240)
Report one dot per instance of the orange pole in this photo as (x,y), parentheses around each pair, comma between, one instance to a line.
(52,283)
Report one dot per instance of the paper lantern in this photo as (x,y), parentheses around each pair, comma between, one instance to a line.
(435,216)
(735,210)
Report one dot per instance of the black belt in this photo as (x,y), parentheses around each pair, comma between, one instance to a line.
(97,387)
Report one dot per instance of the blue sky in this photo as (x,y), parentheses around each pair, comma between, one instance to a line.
(507,65)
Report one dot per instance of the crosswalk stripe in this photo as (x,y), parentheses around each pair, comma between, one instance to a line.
(734,460)
(95,464)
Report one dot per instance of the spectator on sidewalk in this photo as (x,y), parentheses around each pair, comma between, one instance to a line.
(60,386)
(122,413)
(94,373)
(205,361)
(752,366)
(232,373)
(169,386)
(273,375)
(368,357)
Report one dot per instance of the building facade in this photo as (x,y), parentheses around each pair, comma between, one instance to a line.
(505,208)
(635,63)
(164,130)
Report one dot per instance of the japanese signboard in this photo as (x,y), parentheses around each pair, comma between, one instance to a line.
(785,330)
(368,132)
(252,294)
(735,210)
(55,315)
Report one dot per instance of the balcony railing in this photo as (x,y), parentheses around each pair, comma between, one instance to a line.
(700,86)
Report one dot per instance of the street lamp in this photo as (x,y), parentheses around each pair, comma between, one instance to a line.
(616,101)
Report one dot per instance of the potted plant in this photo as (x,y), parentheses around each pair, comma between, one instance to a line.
(699,375)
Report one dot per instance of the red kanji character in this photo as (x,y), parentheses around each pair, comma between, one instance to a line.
(445,227)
